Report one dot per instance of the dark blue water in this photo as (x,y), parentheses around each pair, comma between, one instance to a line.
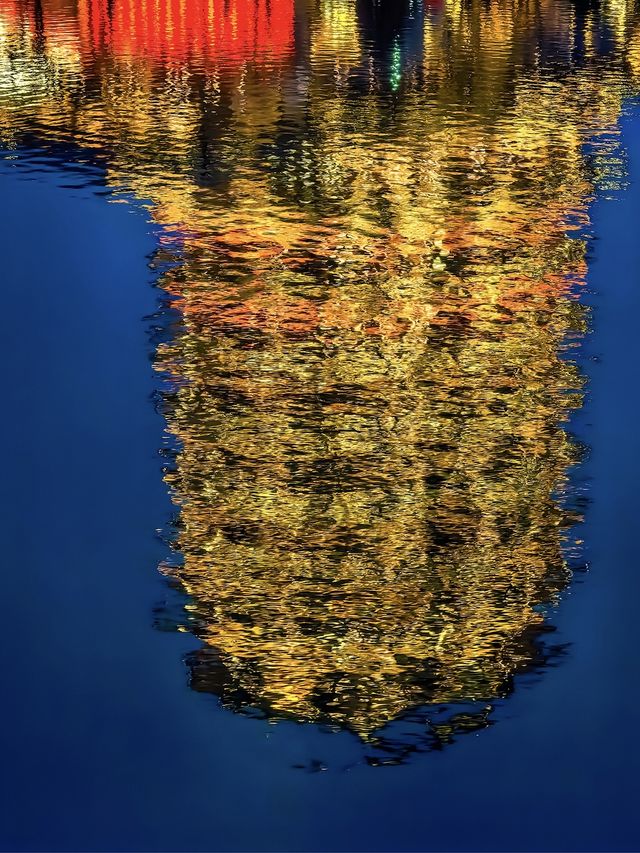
(104,747)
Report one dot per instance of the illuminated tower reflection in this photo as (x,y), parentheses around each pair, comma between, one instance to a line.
(379,266)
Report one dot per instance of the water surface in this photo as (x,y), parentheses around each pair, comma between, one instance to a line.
(371,226)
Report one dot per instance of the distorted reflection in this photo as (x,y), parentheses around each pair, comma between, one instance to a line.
(375,219)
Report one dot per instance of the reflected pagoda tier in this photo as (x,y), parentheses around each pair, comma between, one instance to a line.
(376,215)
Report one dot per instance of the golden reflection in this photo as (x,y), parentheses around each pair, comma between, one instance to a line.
(376,212)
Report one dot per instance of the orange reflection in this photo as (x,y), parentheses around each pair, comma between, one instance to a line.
(230,30)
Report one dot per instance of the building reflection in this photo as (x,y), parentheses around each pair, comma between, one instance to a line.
(376,212)
(233,31)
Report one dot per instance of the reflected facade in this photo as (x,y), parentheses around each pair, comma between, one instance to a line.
(373,249)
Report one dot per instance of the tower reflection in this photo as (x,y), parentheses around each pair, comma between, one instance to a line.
(379,211)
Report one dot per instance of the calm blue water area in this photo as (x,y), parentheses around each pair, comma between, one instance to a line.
(105,747)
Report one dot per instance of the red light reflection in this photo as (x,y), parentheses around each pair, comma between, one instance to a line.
(229,31)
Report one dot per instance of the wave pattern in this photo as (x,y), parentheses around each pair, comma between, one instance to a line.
(375,218)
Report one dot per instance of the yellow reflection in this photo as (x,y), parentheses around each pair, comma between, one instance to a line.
(379,267)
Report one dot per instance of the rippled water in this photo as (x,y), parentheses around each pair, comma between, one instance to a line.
(373,228)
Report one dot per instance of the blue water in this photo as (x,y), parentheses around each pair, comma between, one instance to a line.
(104,747)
